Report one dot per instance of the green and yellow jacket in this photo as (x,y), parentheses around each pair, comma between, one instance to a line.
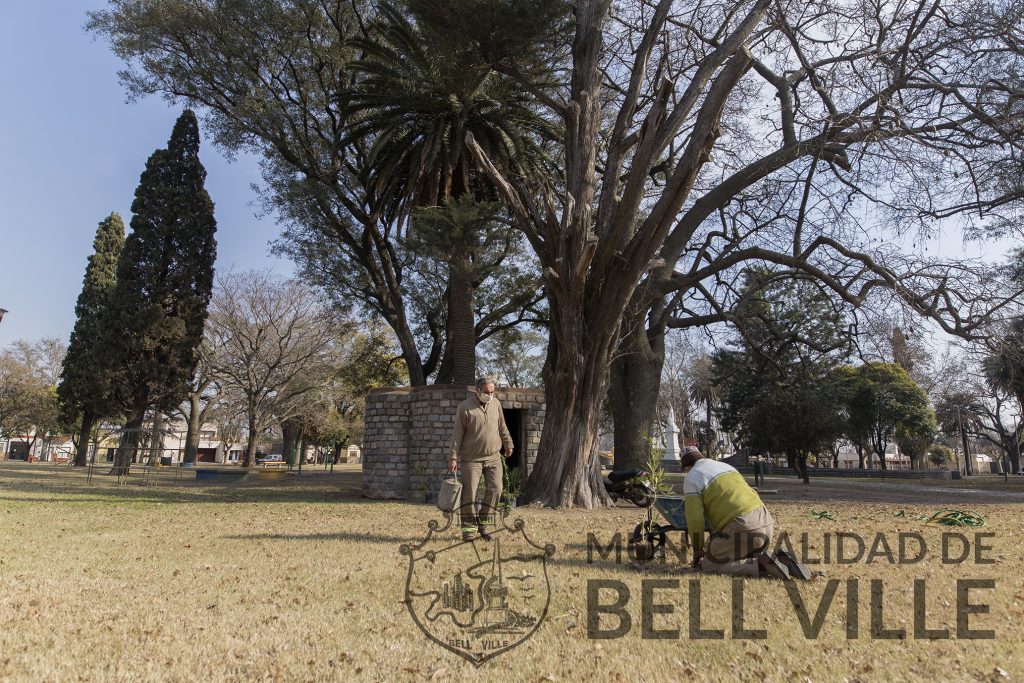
(717,492)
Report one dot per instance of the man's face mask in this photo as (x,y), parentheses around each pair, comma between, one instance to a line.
(484,395)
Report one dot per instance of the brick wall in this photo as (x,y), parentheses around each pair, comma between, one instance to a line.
(409,430)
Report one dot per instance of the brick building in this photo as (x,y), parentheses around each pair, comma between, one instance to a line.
(409,430)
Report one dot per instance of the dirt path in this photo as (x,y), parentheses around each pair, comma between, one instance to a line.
(884,492)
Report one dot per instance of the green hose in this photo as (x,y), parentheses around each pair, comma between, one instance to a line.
(956,518)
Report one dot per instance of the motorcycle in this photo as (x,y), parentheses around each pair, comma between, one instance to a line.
(631,485)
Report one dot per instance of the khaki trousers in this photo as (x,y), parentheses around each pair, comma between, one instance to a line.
(735,548)
(488,468)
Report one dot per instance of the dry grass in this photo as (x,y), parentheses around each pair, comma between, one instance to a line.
(303,581)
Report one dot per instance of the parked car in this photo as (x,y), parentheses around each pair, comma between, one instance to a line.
(273,457)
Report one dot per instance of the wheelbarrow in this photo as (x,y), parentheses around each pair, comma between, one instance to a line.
(648,538)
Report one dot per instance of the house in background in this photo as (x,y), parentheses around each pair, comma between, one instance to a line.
(894,459)
(209,447)
(37,447)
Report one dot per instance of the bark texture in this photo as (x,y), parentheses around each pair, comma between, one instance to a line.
(633,394)
(82,453)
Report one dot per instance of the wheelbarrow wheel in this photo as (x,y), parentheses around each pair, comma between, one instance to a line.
(645,544)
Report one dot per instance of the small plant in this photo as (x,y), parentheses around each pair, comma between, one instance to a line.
(511,481)
(646,532)
(656,473)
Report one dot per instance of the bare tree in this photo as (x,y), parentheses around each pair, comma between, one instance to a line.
(203,392)
(702,137)
(698,137)
(29,372)
(13,386)
(515,356)
(42,358)
(985,413)
(228,412)
(275,343)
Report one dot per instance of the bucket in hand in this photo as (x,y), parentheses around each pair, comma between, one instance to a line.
(450,494)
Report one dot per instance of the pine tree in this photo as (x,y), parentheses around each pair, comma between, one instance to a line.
(83,392)
(164,282)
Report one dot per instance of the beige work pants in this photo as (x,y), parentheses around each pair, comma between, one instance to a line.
(735,548)
(489,469)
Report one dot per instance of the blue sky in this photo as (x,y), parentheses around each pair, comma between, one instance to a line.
(71,151)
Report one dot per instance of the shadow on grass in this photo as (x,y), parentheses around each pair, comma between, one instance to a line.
(331,536)
(563,557)
(70,486)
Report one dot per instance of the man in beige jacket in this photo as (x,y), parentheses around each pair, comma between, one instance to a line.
(479,441)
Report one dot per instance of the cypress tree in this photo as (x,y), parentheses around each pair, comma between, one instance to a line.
(83,391)
(164,282)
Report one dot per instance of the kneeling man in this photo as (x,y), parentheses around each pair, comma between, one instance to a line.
(741,527)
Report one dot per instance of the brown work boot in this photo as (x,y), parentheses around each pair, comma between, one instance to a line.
(793,566)
(771,567)
(484,534)
(468,536)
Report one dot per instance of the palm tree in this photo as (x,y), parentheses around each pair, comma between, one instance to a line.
(703,392)
(1004,368)
(420,97)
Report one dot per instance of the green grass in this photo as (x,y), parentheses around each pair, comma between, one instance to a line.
(302,580)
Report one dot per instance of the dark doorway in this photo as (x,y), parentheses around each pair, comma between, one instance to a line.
(515,420)
(206,454)
(19,450)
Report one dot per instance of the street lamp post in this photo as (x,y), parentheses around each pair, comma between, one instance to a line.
(963,435)
(1016,442)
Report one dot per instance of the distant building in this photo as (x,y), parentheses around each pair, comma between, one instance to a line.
(894,459)
(209,447)
(37,447)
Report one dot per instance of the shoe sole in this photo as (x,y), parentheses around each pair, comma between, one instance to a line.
(795,569)
(777,570)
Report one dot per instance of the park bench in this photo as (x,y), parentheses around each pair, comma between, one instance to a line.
(271,471)
(218,474)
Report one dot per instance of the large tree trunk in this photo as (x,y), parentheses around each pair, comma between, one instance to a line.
(192,429)
(1012,453)
(82,453)
(881,459)
(288,430)
(635,383)
(460,344)
(567,472)
(800,460)
(446,368)
(129,444)
(410,354)
(250,446)
(156,438)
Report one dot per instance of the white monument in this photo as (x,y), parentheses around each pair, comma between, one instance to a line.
(670,460)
